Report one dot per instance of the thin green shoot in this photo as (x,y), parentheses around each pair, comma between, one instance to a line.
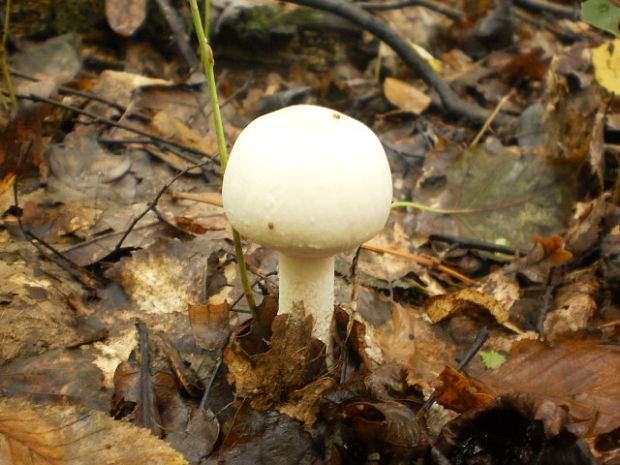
(208,63)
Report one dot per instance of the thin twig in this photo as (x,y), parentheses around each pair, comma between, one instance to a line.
(424,261)
(467,243)
(108,122)
(153,204)
(81,273)
(491,117)
(372,6)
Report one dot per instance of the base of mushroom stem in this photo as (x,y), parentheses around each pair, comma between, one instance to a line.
(309,281)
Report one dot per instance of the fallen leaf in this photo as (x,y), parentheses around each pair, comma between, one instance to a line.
(459,393)
(67,435)
(405,96)
(443,306)
(579,376)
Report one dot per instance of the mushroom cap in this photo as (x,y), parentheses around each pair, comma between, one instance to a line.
(307,181)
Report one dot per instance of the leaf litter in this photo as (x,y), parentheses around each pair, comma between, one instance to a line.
(77,271)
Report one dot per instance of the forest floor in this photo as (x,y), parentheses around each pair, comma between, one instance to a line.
(480,326)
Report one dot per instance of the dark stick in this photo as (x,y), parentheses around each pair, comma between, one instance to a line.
(372,6)
(556,9)
(178,31)
(465,243)
(481,338)
(450,99)
(146,407)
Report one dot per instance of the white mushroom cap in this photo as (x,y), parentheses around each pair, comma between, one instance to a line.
(307,181)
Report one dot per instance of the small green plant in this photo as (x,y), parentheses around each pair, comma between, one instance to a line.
(208,64)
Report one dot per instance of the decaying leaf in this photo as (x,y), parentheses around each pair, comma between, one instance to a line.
(460,393)
(35,434)
(414,343)
(578,376)
(292,361)
(265,437)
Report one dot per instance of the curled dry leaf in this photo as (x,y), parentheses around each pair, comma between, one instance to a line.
(441,307)
(71,436)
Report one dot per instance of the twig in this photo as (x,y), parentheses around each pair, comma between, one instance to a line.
(153,204)
(491,117)
(372,6)
(82,274)
(556,9)
(450,99)
(108,122)
(481,338)
(424,261)
(68,91)
(466,243)
(146,409)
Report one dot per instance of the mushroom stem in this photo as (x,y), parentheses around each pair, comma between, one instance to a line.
(309,281)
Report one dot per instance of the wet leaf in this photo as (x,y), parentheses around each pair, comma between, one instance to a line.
(265,437)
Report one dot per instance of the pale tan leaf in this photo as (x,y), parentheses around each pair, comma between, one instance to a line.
(49,435)
(405,96)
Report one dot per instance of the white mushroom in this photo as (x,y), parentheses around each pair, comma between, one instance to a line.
(309,182)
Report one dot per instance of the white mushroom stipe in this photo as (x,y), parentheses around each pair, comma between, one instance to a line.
(309,182)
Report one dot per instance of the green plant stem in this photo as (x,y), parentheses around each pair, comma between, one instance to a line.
(3,52)
(208,64)
(419,206)
(207,19)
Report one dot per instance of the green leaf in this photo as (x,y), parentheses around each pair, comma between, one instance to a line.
(492,359)
(602,14)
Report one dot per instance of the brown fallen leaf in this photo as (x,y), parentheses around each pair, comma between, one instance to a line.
(440,307)
(293,360)
(579,376)
(460,393)
(44,435)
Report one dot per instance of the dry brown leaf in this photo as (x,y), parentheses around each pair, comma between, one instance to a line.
(575,303)
(43,435)
(405,96)
(579,376)
(409,340)
(443,306)
(210,325)
(461,393)
(293,360)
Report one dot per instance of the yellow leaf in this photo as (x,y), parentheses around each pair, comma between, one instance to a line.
(606,62)
(436,64)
